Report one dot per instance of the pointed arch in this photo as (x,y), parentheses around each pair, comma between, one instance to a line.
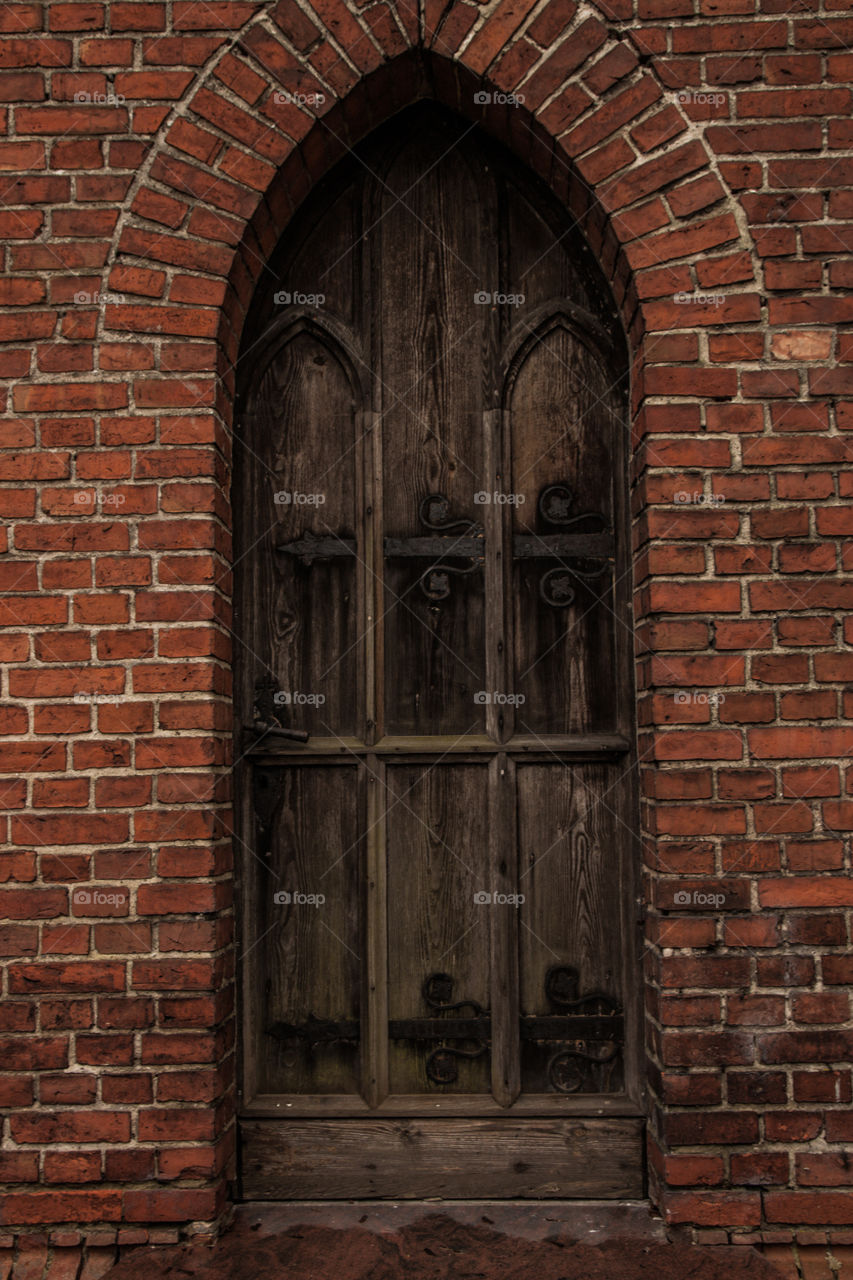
(572,98)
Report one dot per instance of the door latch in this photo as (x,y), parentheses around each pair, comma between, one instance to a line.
(267,717)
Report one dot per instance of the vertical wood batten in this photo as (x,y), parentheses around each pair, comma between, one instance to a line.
(503,860)
(374,1021)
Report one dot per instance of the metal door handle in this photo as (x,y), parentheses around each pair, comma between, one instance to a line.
(266,721)
(264,729)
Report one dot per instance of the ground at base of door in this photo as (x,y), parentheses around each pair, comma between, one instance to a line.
(434,1247)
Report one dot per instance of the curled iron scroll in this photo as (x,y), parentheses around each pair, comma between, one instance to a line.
(434,514)
(441,1063)
(565,1067)
(555,586)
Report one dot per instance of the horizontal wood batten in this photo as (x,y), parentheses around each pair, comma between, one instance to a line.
(587,746)
(546,1104)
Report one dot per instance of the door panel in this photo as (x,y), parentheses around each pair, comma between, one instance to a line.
(310,926)
(437,863)
(564,419)
(571,876)
(459,1015)
(431,384)
(309,485)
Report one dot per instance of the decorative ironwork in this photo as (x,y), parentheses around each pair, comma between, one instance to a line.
(581,555)
(565,1067)
(441,1064)
(468,544)
(585,1029)
(313,546)
(456,547)
(315,1031)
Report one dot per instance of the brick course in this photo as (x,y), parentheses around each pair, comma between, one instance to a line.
(147,171)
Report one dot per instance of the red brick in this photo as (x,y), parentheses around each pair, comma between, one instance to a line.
(100,1126)
(808,1207)
(169,1205)
(78,1206)
(743,595)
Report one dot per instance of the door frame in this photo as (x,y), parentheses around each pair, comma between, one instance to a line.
(631,1106)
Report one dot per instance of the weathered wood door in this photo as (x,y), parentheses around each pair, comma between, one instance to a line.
(439,944)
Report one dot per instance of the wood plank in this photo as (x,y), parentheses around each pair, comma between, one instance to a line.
(309,619)
(410,1159)
(586,746)
(432,258)
(374,626)
(563,424)
(503,934)
(437,862)
(552,1105)
(374,1031)
(498,716)
(370,582)
(307,960)
(572,912)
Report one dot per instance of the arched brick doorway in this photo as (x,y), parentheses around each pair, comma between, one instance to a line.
(229,164)
(608,181)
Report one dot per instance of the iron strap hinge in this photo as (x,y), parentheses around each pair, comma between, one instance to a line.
(548,1028)
(311,547)
(457,547)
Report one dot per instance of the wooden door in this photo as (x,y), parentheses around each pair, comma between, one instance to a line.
(438,886)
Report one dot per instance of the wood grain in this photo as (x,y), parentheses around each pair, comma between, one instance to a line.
(433,259)
(437,861)
(386,1159)
(311,954)
(570,877)
(561,429)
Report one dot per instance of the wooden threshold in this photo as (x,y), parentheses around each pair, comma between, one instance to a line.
(407,1159)
(591,1222)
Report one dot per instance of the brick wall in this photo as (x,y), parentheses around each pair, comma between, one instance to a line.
(148,169)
